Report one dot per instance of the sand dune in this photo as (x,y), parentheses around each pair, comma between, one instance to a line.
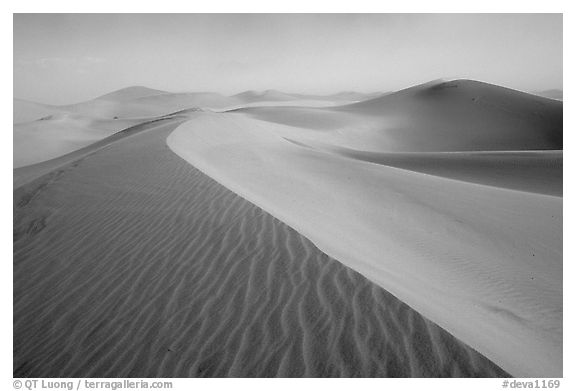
(466,115)
(43,132)
(137,102)
(460,115)
(417,233)
(475,255)
(58,134)
(131,93)
(130,262)
(26,111)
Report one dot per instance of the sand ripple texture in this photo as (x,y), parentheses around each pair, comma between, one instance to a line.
(130,262)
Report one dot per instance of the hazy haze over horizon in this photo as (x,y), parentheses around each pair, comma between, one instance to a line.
(67,58)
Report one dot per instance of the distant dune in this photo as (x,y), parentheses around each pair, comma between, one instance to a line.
(415,233)
(460,115)
(58,134)
(268,95)
(278,96)
(137,101)
(26,111)
(130,93)
(43,132)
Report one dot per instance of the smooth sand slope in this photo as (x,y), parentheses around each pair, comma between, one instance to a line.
(475,252)
(130,262)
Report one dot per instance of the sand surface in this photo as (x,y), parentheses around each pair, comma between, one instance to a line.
(459,215)
(128,261)
(416,233)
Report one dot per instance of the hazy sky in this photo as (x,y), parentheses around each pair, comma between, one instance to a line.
(68,58)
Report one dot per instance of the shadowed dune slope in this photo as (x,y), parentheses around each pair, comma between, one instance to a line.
(130,262)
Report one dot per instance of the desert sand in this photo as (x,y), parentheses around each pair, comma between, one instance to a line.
(416,233)
(131,262)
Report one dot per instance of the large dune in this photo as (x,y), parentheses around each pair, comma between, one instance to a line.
(130,262)
(466,115)
(459,115)
(417,233)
